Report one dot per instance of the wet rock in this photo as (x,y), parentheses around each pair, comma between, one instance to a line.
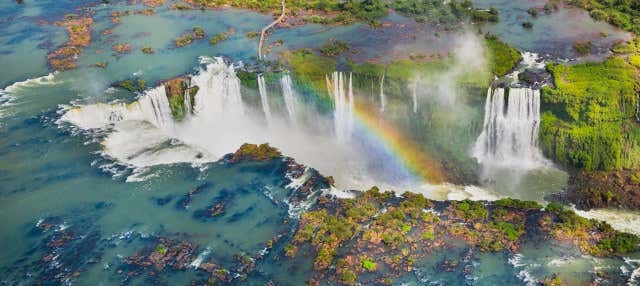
(535,77)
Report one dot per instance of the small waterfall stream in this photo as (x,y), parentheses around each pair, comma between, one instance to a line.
(510,132)
(383,98)
(414,96)
(344,105)
(264,99)
(289,97)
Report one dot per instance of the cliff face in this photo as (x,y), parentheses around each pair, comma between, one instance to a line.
(589,125)
(181,96)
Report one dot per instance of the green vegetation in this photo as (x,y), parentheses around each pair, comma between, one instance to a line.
(470,210)
(198,32)
(513,232)
(221,37)
(255,152)
(517,204)
(443,12)
(365,10)
(503,58)
(527,25)
(368,264)
(574,227)
(184,40)
(147,50)
(253,34)
(161,249)
(624,14)
(218,38)
(588,121)
(583,48)
(428,235)
(334,48)
(131,85)
(348,278)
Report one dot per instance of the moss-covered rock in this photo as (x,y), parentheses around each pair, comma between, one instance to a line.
(588,120)
(253,152)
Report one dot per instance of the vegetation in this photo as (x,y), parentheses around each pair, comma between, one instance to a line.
(583,48)
(334,48)
(255,152)
(147,50)
(221,37)
(503,58)
(588,121)
(345,235)
(443,12)
(131,85)
(184,40)
(198,32)
(517,204)
(368,264)
(622,14)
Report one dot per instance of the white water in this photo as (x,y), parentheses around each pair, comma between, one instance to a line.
(510,134)
(383,97)
(8,94)
(264,99)
(139,135)
(289,97)
(628,221)
(414,96)
(344,105)
(152,107)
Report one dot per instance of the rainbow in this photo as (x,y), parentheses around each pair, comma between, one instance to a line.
(414,158)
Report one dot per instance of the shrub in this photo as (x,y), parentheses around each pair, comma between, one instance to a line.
(368,264)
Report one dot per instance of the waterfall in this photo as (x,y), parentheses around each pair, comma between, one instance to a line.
(154,105)
(510,132)
(187,101)
(218,90)
(264,98)
(289,96)
(383,98)
(344,105)
(415,96)
(638,107)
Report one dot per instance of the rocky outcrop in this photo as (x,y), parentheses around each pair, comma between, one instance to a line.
(588,190)
(79,32)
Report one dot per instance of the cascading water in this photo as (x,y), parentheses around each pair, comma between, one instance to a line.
(262,88)
(510,137)
(344,105)
(414,96)
(289,97)
(218,90)
(383,97)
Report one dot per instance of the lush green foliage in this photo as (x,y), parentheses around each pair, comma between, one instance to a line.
(503,58)
(443,12)
(334,48)
(622,13)
(517,204)
(588,122)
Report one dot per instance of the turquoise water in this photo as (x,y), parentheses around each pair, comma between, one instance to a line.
(53,173)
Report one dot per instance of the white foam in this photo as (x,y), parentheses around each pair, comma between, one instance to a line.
(196,262)
(621,220)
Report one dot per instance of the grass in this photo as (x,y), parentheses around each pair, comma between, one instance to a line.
(503,58)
